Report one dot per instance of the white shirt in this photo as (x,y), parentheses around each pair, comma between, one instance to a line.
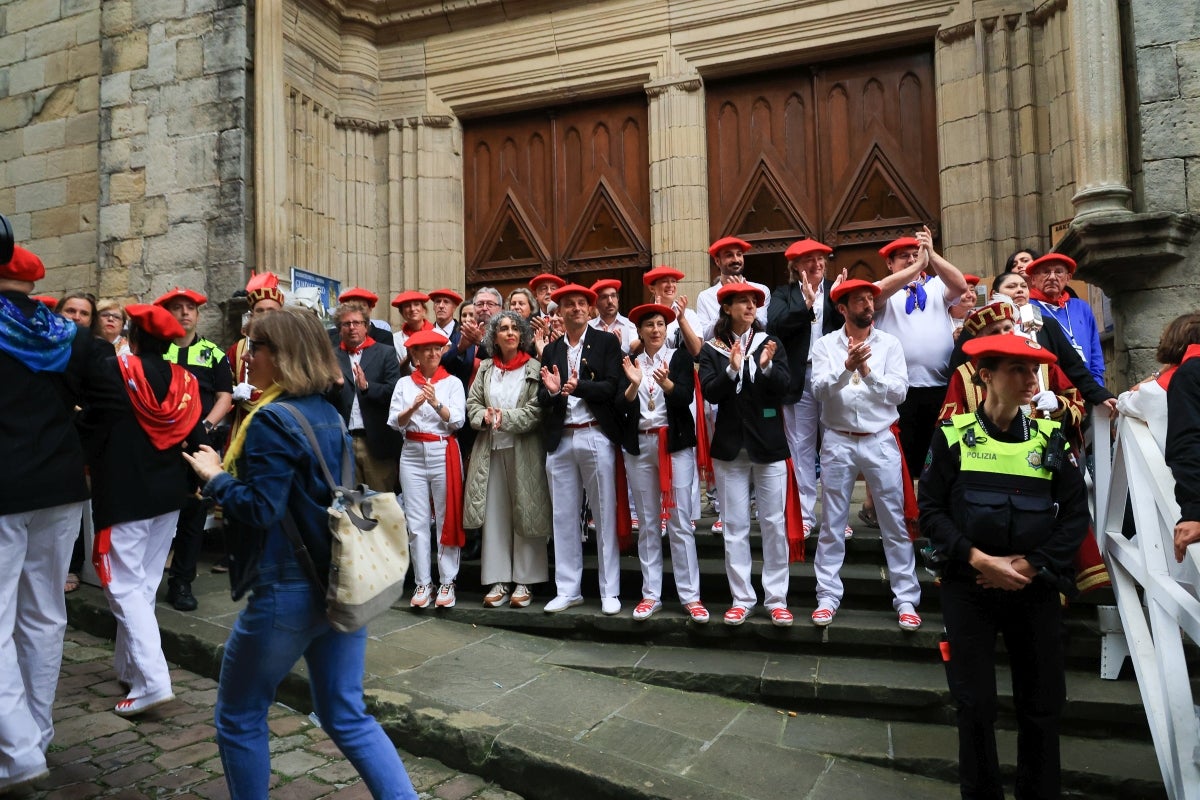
(504,390)
(708,309)
(649,389)
(693,320)
(850,402)
(356,420)
(448,330)
(818,309)
(449,391)
(927,336)
(578,411)
(621,327)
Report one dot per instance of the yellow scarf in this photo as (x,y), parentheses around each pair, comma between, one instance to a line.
(234,452)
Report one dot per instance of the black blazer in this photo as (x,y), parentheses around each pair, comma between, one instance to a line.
(752,418)
(681,427)
(131,479)
(380,365)
(790,319)
(380,335)
(599,371)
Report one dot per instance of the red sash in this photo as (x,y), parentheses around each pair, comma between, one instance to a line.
(167,423)
(1061,302)
(793,516)
(910,497)
(100,547)
(625,538)
(703,445)
(453,534)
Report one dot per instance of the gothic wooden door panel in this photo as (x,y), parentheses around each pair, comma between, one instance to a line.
(563,191)
(844,152)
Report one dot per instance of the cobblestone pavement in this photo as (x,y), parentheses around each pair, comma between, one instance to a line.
(171,751)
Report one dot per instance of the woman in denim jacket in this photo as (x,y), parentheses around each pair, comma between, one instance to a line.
(272,473)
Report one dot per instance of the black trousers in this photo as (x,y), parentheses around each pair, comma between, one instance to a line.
(189,538)
(918,419)
(1030,622)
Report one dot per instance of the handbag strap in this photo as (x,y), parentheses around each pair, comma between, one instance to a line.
(301,551)
(347,465)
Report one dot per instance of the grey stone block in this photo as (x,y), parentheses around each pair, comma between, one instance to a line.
(1165,185)
(560,702)
(225,49)
(1170,129)
(645,743)
(756,771)
(853,779)
(149,12)
(1158,74)
(1187,56)
(1163,21)
(688,714)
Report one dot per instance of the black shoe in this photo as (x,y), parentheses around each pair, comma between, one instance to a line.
(180,596)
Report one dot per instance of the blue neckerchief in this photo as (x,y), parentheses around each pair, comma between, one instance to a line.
(41,342)
(916,297)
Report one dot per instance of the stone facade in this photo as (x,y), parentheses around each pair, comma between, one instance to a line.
(125,129)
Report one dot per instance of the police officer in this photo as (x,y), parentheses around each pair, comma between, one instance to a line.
(207,362)
(1005,508)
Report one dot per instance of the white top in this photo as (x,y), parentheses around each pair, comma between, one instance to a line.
(927,336)
(447,331)
(693,321)
(578,411)
(425,419)
(708,309)
(356,419)
(1149,404)
(650,390)
(818,309)
(504,390)
(853,403)
(622,328)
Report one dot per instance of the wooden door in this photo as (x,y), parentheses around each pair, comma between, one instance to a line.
(564,191)
(844,152)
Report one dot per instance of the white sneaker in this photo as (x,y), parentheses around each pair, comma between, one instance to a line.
(718,527)
(646,608)
(610,605)
(849,532)
(495,596)
(521,596)
(445,596)
(561,603)
(422,596)
(633,522)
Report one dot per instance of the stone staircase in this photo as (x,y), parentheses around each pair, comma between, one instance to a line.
(863,666)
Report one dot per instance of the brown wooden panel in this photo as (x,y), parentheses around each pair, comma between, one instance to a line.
(562,190)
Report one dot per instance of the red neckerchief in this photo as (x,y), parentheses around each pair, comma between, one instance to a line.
(517,362)
(367,342)
(1164,377)
(426,325)
(167,423)
(420,380)
(1061,302)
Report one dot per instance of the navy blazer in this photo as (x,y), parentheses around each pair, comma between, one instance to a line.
(790,319)
(381,367)
(751,419)
(599,372)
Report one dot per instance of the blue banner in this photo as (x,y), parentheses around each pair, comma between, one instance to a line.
(328,287)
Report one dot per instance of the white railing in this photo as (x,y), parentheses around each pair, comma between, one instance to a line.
(1156,597)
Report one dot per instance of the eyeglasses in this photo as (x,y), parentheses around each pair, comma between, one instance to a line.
(253,345)
(487,303)
(111,315)
(353,323)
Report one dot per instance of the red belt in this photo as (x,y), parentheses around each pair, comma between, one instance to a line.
(452,529)
(418,436)
(651,431)
(578,425)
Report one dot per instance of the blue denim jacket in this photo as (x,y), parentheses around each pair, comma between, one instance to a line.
(278,473)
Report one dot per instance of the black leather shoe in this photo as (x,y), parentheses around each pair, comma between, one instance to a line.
(180,596)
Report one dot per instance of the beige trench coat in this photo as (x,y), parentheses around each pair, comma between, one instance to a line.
(531,513)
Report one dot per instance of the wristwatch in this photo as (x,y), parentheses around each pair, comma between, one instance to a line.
(438,407)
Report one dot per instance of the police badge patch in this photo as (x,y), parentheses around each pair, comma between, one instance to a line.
(1034,459)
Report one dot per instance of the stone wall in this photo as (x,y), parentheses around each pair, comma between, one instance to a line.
(173,146)
(49,118)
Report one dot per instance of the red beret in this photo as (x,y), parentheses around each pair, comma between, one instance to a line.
(661,272)
(728,241)
(24,266)
(1008,345)
(804,247)
(156,321)
(646,309)
(846,287)
(972,280)
(1051,258)
(409,297)
(360,295)
(606,283)
(263,286)
(449,294)
(425,337)
(983,316)
(546,276)
(726,292)
(46,300)
(894,245)
(573,288)
(177,293)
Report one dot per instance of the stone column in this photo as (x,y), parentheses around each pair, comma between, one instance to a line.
(679,176)
(270,157)
(425,178)
(1101,149)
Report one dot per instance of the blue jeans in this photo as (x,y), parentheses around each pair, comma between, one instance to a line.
(282,621)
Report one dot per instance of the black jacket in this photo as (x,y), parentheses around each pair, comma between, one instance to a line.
(752,418)
(41,457)
(790,319)
(681,427)
(1183,437)
(382,369)
(131,479)
(599,371)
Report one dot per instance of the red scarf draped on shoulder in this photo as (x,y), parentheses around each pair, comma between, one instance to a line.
(367,342)
(453,534)
(169,422)
(518,361)
(1061,302)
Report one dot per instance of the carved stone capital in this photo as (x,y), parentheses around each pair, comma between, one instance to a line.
(661,86)
(358,123)
(1122,250)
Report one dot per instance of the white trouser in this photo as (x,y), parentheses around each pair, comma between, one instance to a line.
(506,557)
(423,482)
(642,472)
(734,479)
(585,460)
(35,550)
(801,425)
(136,558)
(877,457)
